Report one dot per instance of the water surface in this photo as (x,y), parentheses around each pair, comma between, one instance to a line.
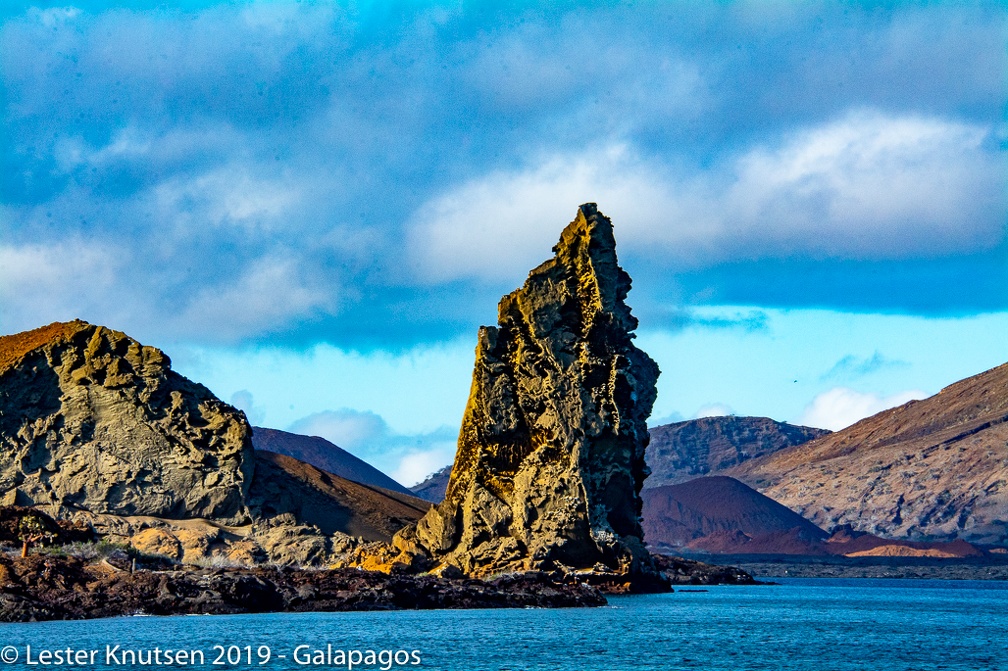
(811,624)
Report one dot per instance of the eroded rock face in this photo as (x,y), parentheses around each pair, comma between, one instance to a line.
(550,457)
(96,428)
(91,419)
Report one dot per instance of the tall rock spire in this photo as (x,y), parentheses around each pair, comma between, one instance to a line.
(550,458)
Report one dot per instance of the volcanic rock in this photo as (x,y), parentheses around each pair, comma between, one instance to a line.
(97,428)
(550,458)
(91,419)
(63,588)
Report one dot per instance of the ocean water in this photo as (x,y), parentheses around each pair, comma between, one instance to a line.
(808,625)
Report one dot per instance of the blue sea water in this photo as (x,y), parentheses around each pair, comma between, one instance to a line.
(815,624)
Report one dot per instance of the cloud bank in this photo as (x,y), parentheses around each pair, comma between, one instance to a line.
(377,175)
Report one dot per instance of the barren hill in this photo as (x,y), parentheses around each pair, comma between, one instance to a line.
(720,514)
(322,454)
(283,484)
(935,469)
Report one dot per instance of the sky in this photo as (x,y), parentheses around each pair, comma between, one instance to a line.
(312,206)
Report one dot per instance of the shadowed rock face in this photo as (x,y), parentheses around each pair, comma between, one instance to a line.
(91,419)
(550,457)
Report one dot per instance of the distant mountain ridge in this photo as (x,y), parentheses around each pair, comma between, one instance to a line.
(935,469)
(322,454)
(684,450)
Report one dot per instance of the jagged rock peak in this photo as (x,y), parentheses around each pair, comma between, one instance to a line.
(90,419)
(550,458)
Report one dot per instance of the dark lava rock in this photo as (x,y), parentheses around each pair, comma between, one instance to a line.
(42,587)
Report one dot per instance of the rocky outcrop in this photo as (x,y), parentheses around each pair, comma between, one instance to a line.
(97,428)
(91,419)
(930,470)
(707,446)
(550,458)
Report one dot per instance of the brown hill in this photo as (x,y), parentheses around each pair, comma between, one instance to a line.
(322,454)
(283,484)
(720,514)
(433,488)
(935,469)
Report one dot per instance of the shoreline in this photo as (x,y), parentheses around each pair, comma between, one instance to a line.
(768,567)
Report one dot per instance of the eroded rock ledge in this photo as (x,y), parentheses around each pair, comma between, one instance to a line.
(550,459)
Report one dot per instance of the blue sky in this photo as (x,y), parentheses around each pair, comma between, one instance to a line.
(311,206)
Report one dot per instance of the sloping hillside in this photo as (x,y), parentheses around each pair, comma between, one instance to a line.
(322,454)
(930,469)
(433,488)
(283,484)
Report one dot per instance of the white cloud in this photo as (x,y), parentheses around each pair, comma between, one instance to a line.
(840,407)
(244,401)
(713,410)
(350,429)
(867,185)
(233,194)
(499,226)
(415,467)
(268,294)
(56,282)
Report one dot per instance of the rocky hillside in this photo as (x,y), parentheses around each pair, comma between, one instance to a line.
(931,469)
(684,450)
(322,454)
(97,428)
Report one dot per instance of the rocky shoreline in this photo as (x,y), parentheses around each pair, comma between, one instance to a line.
(46,587)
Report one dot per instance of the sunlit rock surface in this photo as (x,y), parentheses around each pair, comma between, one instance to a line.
(550,458)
